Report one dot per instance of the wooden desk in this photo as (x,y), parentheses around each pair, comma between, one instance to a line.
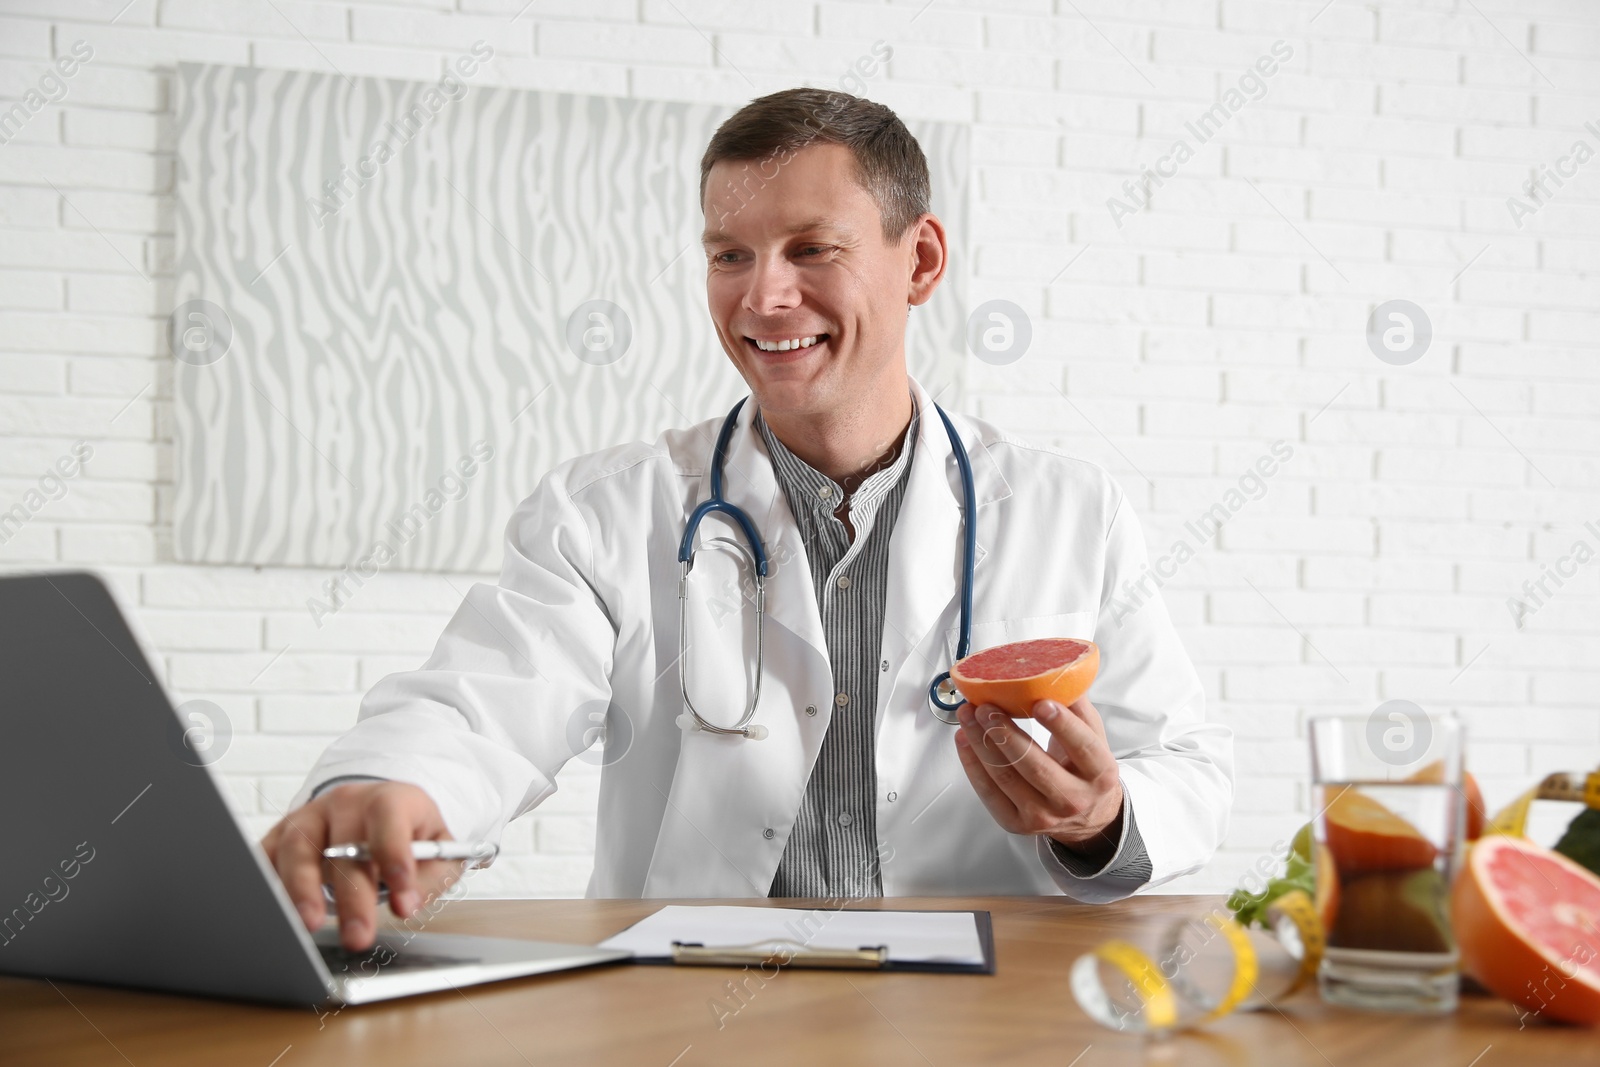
(661,1016)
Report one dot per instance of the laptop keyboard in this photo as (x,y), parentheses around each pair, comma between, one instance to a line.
(383,960)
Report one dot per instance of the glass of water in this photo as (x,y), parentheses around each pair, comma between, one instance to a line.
(1390,815)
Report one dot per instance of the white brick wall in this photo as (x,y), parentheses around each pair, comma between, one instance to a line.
(1227,314)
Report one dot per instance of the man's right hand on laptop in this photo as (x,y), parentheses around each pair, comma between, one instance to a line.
(388,816)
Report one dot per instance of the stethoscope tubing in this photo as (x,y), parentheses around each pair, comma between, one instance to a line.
(758,555)
(969,562)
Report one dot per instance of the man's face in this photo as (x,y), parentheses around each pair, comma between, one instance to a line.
(796,251)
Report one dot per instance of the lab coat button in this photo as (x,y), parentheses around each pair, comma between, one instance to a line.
(845,819)
(884,665)
(811,709)
(842,699)
(767,833)
(892,795)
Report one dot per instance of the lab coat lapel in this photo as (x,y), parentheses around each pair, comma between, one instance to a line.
(925,550)
(731,800)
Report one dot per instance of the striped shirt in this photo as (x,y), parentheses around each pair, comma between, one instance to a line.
(832,850)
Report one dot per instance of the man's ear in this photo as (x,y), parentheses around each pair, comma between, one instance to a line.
(931,257)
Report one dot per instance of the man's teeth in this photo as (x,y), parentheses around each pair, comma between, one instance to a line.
(787,346)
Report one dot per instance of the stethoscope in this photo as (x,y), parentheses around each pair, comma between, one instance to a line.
(941,693)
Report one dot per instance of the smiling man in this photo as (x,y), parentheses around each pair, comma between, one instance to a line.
(819,241)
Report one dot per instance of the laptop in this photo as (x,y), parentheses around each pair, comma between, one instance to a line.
(123,864)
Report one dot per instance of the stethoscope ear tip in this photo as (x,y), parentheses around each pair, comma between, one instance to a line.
(686,722)
(755,733)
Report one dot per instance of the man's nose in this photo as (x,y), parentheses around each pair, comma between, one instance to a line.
(772,286)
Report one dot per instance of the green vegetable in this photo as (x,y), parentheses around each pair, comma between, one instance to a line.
(1581,842)
(1301,846)
(1251,908)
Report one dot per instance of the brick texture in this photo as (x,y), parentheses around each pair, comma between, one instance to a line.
(1226,311)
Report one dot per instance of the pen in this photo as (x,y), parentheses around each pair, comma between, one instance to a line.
(481,851)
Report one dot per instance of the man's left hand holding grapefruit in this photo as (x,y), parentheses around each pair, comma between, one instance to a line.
(1070,791)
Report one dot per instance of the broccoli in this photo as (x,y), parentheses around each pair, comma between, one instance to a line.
(1251,908)
(1581,842)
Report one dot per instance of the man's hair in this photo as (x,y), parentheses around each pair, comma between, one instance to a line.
(889,163)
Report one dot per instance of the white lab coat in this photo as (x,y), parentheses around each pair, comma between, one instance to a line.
(584,622)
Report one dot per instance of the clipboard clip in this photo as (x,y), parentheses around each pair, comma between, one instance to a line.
(867,957)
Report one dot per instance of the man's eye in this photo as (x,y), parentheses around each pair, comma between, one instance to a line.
(727,258)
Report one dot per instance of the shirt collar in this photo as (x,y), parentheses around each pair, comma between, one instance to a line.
(822,494)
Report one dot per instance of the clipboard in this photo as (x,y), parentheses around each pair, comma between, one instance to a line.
(791,952)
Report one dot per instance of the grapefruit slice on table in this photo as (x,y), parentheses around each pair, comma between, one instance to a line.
(1013,677)
(1364,836)
(1528,923)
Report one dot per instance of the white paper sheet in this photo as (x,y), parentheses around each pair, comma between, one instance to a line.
(912,936)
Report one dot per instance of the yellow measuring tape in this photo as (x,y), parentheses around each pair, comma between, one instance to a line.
(1300,912)
(1160,1007)
(1168,997)
(1563,785)
(1246,967)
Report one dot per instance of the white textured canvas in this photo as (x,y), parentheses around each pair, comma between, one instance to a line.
(381,283)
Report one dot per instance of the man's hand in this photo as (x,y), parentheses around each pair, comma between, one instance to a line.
(388,816)
(1071,792)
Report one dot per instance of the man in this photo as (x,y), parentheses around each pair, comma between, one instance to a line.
(817,232)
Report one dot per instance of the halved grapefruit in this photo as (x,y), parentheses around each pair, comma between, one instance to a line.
(1477,814)
(1365,836)
(1528,923)
(1393,911)
(1326,875)
(1013,677)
